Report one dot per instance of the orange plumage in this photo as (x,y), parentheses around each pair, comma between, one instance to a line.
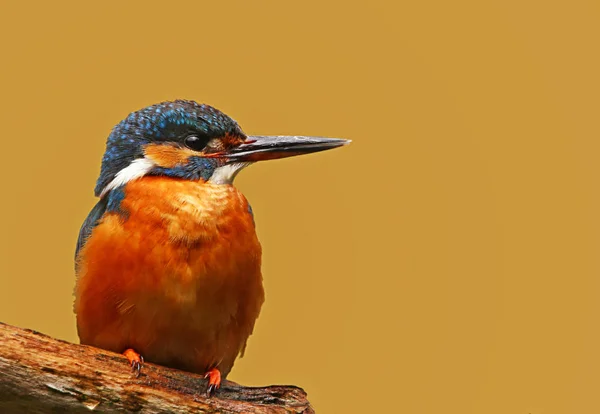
(185,262)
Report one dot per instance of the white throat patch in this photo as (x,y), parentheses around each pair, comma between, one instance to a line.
(138,168)
(226,173)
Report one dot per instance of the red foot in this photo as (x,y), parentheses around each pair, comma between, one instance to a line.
(135,360)
(214,380)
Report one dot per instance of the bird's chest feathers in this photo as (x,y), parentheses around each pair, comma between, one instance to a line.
(194,244)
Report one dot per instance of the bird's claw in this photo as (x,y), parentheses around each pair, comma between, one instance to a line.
(135,360)
(136,366)
(214,381)
(210,390)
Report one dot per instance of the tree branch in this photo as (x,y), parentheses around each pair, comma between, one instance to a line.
(39,374)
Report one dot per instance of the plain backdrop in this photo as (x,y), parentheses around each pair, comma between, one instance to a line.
(446,262)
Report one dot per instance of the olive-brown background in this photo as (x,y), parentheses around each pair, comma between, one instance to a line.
(446,262)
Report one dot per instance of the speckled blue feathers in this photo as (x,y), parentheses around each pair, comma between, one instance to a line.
(163,122)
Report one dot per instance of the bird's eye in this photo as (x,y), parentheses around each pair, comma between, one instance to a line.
(195,142)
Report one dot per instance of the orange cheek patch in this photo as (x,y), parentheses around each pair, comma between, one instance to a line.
(232,140)
(168,156)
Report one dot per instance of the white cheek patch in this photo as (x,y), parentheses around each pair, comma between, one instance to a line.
(138,168)
(226,173)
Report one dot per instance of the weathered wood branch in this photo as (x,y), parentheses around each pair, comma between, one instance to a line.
(39,374)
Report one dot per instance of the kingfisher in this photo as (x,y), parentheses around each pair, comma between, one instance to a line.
(168,263)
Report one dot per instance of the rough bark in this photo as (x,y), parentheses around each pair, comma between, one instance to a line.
(39,374)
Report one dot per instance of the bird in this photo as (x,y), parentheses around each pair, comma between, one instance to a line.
(168,263)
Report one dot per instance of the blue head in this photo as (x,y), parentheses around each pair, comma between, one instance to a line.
(162,139)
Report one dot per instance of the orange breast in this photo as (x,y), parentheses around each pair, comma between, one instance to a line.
(178,280)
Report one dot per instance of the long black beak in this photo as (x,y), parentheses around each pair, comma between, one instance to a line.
(259,148)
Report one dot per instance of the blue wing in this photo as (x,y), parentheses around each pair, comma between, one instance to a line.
(90,222)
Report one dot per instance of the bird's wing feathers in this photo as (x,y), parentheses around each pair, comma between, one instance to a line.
(90,222)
